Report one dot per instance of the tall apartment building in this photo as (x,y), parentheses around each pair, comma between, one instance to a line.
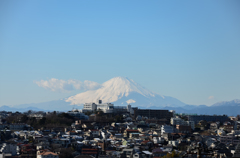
(150,113)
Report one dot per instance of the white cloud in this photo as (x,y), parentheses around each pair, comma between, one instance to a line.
(130,101)
(57,85)
(211,97)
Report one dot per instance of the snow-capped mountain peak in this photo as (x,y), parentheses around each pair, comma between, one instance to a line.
(228,103)
(123,86)
(121,90)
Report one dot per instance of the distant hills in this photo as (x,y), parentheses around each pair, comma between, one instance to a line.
(55,105)
(8,108)
(227,108)
(123,91)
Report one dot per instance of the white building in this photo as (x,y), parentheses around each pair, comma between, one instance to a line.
(106,107)
(173,112)
(167,129)
(173,142)
(89,107)
(157,140)
(12,149)
(179,121)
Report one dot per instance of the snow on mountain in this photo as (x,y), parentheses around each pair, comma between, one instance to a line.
(228,103)
(122,91)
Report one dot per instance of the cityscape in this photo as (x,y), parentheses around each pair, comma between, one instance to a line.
(104,130)
(119,79)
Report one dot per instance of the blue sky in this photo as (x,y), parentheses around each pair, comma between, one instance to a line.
(189,50)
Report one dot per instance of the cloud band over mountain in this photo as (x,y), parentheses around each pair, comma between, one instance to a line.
(57,85)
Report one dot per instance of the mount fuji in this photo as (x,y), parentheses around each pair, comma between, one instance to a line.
(123,91)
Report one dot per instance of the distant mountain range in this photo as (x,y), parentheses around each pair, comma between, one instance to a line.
(8,108)
(123,91)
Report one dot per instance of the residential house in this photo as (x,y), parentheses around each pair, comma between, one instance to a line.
(184,128)
(47,154)
(10,148)
(128,131)
(89,151)
(28,150)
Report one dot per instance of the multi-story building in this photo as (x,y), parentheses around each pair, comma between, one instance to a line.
(3,126)
(28,150)
(237,151)
(227,128)
(37,116)
(208,118)
(167,129)
(78,114)
(214,125)
(184,128)
(18,126)
(89,151)
(12,149)
(150,113)
(128,131)
(191,123)
(178,121)
(229,140)
(106,108)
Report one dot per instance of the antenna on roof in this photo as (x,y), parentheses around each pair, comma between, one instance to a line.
(73,107)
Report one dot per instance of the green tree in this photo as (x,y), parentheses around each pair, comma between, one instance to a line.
(42,121)
(66,153)
(168,155)
(24,118)
(174,154)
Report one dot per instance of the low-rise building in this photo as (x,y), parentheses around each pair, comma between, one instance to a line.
(128,131)
(78,114)
(184,128)
(229,140)
(214,125)
(18,126)
(12,149)
(191,123)
(177,121)
(167,129)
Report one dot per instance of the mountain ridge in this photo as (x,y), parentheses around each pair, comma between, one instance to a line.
(224,103)
(124,89)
